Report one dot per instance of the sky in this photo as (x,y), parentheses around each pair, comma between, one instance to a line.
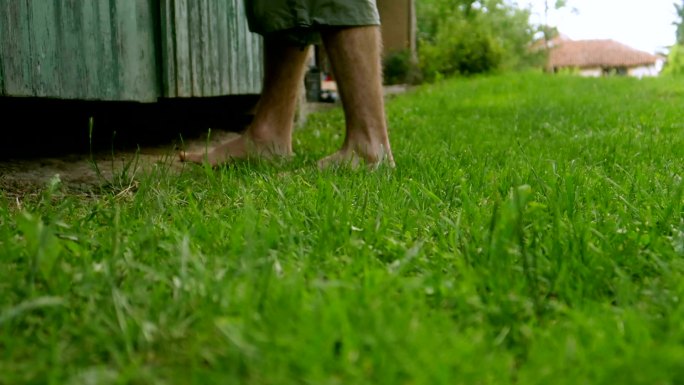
(642,24)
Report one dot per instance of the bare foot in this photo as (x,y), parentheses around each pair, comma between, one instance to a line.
(354,53)
(240,148)
(342,158)
(352,155)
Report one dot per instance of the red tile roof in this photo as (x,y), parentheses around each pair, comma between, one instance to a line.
(597,53)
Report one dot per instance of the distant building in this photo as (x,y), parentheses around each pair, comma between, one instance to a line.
(601,57)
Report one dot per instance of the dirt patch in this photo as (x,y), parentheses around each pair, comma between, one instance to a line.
(80,172)
(90,143)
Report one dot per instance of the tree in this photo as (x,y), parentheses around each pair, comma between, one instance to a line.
(680,23)
(675,60)
(546,29)
(471,36)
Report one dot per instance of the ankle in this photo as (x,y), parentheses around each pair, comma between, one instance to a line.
(267,143)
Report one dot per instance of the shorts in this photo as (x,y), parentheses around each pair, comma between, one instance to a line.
(299,21)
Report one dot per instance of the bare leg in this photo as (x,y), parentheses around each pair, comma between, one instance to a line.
(355,57)
(270,134)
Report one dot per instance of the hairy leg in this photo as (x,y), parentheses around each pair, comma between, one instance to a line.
(270,134)
(355,57)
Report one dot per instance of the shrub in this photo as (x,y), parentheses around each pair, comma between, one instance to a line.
(675,61)
(460,47)
(463,37)
(398,68)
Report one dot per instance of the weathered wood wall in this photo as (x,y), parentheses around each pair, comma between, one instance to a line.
(137,50)
(79,49)
(207,49)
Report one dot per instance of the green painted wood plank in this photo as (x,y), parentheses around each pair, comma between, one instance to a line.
(168,47)
(194,46)
(182,43)
(3,10)
(136,48)
(2,78)
(14,47)
(106,31)
(201,30)
(254,53)
(72,70)
(214,36)
(222,34)
(233,45)
(43,56)
(78,49)
(208,50)
(241,39)
(108,49)
(3,45)
(92,64)
(212,67)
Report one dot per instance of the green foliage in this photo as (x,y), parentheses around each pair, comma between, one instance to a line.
(675,61)
(469,37)
(680,23)
(461,47)
(400,68)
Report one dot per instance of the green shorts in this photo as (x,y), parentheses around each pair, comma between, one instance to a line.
(299,21)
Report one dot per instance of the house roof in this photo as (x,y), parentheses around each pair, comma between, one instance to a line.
(597,53)
(541,44)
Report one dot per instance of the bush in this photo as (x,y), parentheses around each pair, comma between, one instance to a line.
(463,37)
(675,61)
(460,47)
(400,68)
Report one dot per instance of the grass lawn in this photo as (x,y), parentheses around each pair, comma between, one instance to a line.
(532,233)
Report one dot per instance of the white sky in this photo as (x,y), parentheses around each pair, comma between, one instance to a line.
(641,24)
